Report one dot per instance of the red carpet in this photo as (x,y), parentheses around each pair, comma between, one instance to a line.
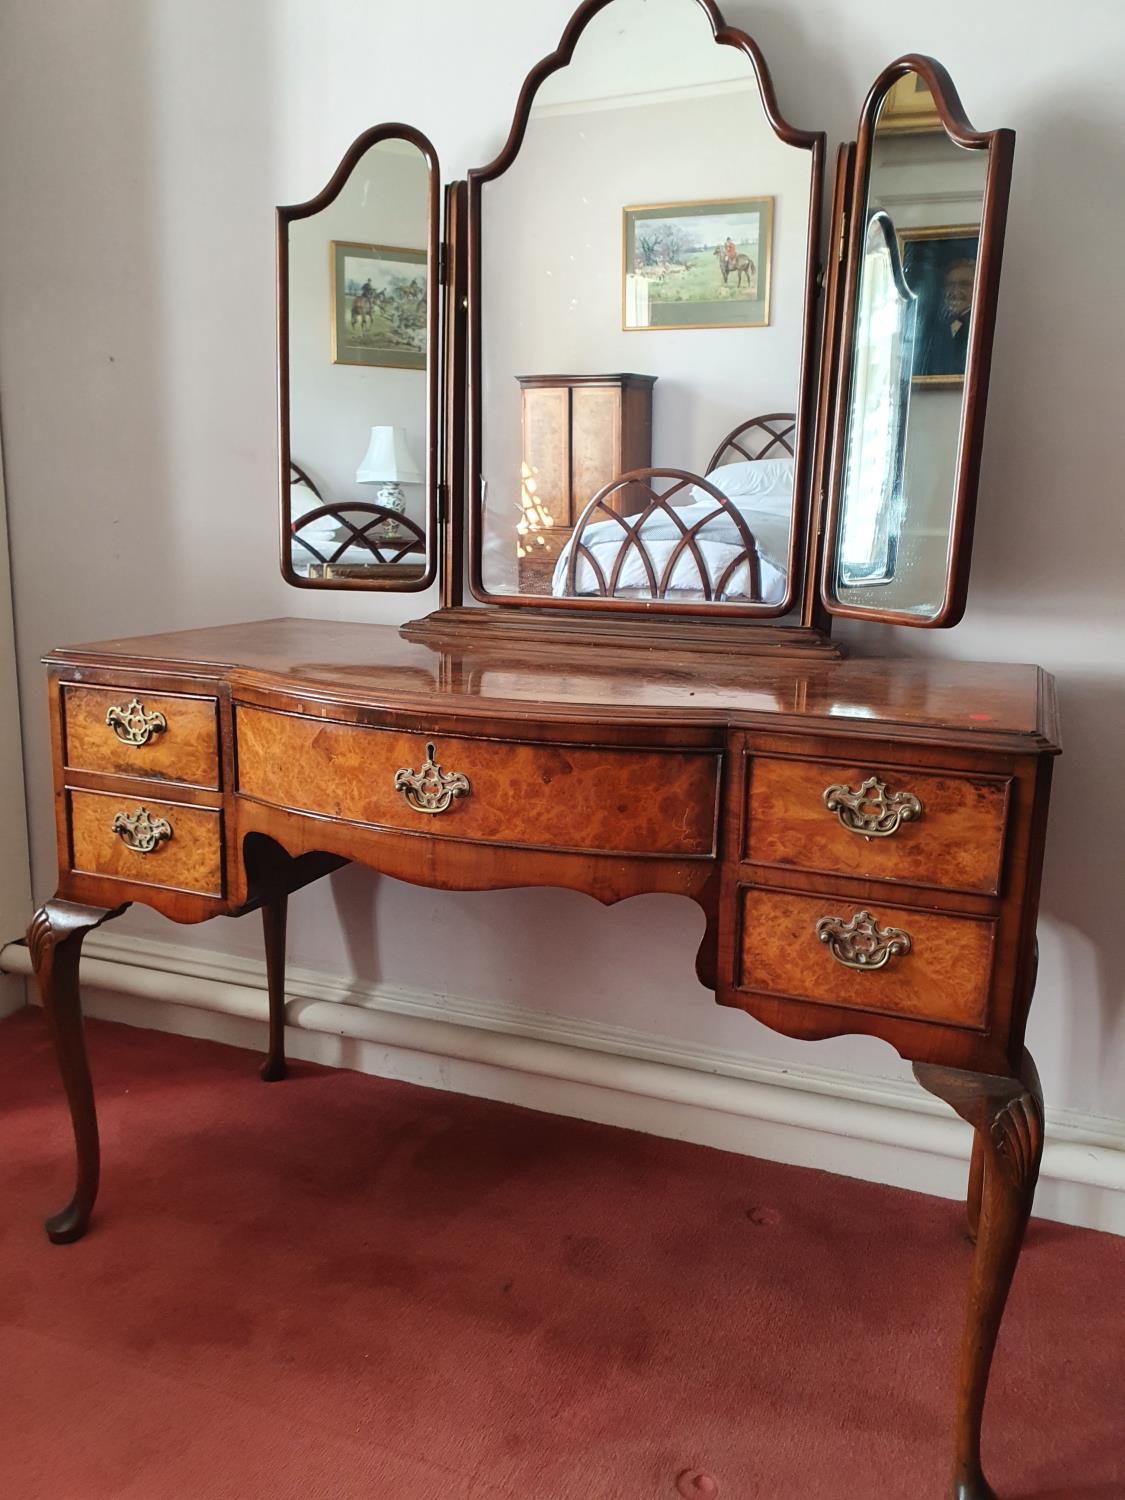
(338,1287)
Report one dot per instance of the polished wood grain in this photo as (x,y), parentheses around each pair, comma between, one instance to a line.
(452,521)
(546,673)
(191,860)
(945,977)
(54,939)
(558,797)
(956,844)
(814,616)
(618,765)
(186,750)
(579,432)
(1007,1117)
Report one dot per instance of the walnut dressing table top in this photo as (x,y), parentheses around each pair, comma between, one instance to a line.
(997,705)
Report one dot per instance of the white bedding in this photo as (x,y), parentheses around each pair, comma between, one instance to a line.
(719,543)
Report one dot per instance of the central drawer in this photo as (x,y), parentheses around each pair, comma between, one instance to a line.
(593,800)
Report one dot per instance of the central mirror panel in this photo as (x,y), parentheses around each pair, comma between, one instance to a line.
(640,331)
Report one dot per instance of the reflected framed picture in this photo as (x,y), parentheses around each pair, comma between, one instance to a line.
(378,305)
(940,267)
(909,108)
(700,264)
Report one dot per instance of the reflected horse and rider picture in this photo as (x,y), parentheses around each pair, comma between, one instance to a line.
(378,305)
(697,265)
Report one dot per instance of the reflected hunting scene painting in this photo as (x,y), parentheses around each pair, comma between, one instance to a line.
(378,306)
(697,265)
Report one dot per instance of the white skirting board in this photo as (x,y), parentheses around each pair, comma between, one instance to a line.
(813,1117)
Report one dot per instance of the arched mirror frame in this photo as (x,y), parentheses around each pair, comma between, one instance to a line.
(814,142)
(999,144)
(286,216)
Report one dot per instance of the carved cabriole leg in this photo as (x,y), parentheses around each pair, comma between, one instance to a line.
(55,940)
(976,1187)
(273,929)
(1007,1115)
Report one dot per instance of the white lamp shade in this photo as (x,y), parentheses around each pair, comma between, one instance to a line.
(388,459)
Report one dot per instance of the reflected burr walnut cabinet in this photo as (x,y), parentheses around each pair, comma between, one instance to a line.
(864,837)
(579,433)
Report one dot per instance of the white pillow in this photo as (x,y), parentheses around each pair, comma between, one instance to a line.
(757,478)
(765,482)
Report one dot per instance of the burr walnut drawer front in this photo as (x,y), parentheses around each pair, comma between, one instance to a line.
(929,828)
(545,796)
(892,960)
(164,844)
(161,736)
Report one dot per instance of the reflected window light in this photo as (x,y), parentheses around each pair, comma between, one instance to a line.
(535,516)
(880,402)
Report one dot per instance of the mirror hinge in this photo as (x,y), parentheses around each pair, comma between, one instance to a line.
(442,503)
(843,232)
(442,264)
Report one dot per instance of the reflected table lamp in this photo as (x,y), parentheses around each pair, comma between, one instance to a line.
(389,463)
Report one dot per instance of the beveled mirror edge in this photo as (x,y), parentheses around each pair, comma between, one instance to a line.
(813,613)
(286,215)
(1000,146)
(812,141)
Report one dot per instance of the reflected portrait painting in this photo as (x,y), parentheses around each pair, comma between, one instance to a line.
(940,268)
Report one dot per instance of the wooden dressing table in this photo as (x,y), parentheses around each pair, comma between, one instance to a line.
(865,837)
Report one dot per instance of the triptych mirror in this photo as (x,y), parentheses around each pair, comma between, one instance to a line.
(629,372)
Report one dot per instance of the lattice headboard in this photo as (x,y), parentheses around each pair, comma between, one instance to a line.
(771,436)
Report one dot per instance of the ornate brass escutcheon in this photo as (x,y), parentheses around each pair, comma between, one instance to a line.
(872,811)
(430,789)
(862,943)
(133,725)
(140,831)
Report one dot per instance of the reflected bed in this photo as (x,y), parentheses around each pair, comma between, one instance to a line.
(669,534)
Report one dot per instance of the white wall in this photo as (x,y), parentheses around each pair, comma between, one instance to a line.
(142,148)
(15,871)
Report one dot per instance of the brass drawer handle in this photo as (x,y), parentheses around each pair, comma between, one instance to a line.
(141,832)
(872,811)
(133,725)
(862,943)
(430,789)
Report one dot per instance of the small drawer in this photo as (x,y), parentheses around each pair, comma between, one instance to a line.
(559,797)
(164,844)
(931,828)
(161,736)
(925,965)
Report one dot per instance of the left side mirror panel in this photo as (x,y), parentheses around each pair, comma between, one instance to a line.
(358,370)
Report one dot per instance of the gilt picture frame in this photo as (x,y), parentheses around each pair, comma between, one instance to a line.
(702,264)
(909,108)
(939,266)
(378,305)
